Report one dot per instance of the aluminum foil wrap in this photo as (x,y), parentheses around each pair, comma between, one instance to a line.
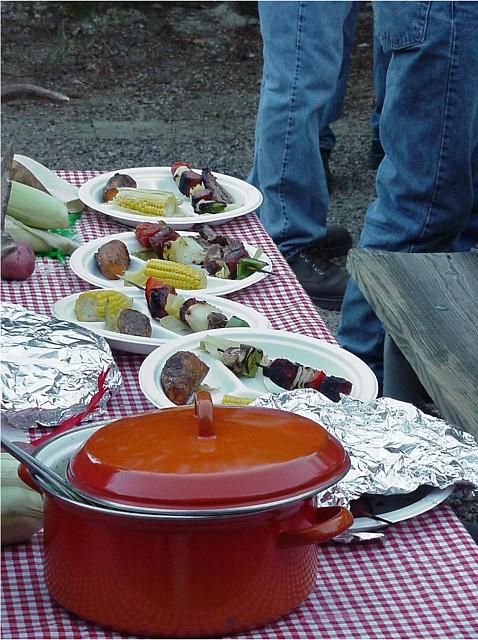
(393,446)
(50,368)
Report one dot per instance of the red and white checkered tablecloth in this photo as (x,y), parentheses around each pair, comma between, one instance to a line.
(420,581)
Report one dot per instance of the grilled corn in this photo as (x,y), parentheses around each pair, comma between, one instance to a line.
(90,306)
(180,276)
(112,310)
(236,400)
(146,202)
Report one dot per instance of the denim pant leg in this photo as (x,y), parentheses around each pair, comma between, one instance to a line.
(426,184)
(333,108)
(381,61)
(302,48)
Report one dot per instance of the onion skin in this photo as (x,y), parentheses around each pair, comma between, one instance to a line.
(19,264)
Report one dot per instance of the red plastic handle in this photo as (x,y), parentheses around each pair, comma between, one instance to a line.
(25,477)
(203,407)
(329,522)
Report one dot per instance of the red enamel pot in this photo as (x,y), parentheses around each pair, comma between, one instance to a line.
(201,520)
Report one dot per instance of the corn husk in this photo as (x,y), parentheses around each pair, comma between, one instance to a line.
(22,507)
(36,208)
(39,240)
(36,175)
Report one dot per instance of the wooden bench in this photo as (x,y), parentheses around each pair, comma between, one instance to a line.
(428,305)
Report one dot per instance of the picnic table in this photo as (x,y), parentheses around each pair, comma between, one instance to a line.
(427,304)
(418,581)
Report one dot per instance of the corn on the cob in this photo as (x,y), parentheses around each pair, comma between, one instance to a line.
(39,240)
(177,275)
(36,175)
(146,202)
(90,306)
(236,400)
(36,208)
(112,310)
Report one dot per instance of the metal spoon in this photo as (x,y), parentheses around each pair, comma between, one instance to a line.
(40,469)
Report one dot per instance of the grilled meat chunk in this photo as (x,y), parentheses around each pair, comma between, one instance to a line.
(182,374)
(116,182)
(218,192)
(112,259)
(134,323)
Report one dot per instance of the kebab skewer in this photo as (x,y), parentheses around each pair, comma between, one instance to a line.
(175,312)
(207,195)
(246,360)
(221,256)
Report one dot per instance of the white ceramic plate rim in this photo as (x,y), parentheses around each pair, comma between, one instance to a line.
(85,253)
(229,306)
(428,502)
(150,369)
(88,194)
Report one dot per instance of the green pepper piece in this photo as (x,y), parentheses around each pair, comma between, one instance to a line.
(234,321)
(145,254)
(251,363)
(211,206)
(248,266)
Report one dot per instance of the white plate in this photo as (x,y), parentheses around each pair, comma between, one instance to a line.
(308,351)
(402,507)
(82,262)
(246,198)
(64,310)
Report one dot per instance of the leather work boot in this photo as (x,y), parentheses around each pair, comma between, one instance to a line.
(324,282)
(336,243)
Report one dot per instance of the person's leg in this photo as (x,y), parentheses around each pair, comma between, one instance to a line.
(302,58)
(333,109)
(429,131)
(381,60)
(468,238)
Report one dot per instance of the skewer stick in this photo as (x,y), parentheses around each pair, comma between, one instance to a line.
(374,517)
(135,284)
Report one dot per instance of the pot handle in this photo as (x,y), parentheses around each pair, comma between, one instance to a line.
(204,413)
(329,522)
(25,476)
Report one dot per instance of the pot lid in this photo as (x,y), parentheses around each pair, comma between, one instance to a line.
(207,458)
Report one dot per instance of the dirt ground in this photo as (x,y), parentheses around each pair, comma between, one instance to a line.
(154,82)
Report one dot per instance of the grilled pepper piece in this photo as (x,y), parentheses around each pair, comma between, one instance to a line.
(234,321)
(247,266)
(203,201)
(241,359)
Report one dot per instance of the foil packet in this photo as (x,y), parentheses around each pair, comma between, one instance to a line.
(394,447)
(50,369)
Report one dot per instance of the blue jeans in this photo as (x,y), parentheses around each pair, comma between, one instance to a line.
(381,60)
(427,183)
(303,51)
(333,108)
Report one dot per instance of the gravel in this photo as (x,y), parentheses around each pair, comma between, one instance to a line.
(154,82)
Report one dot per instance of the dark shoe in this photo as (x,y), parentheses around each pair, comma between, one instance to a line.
(324,282)
(376,154)
(325,155)
(336,243)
